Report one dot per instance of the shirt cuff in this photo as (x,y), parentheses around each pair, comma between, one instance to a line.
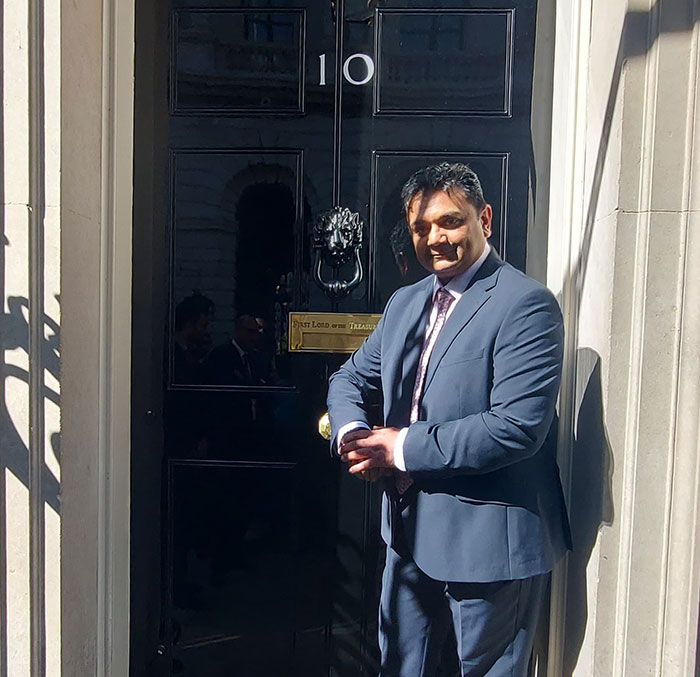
(399,461)
(344,430)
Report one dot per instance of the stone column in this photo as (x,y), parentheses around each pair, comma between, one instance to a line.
(625,257)
(30,473)
(97,45)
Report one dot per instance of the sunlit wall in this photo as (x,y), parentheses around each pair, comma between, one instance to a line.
(29,336)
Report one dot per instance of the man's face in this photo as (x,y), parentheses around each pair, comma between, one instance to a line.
(201,330)
(447,232)
(249,333)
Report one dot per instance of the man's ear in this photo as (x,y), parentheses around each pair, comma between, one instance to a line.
(485,220)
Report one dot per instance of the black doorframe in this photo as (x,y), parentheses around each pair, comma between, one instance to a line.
(149,291)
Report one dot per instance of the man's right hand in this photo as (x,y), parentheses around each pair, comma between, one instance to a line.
(371,474)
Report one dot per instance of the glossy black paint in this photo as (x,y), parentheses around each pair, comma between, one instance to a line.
(270,555)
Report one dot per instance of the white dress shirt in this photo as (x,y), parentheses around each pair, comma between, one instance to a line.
(456,286)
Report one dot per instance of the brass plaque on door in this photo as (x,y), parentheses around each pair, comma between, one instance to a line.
(329,332)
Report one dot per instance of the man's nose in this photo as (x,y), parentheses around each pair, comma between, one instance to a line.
(435,235)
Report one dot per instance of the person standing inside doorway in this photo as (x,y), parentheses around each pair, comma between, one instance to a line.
(467,365)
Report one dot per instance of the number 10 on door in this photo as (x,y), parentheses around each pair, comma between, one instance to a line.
(366,60)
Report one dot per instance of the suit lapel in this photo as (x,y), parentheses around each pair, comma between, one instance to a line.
(409,333)
(476,295)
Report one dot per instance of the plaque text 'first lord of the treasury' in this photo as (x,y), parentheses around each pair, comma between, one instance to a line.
(329,332)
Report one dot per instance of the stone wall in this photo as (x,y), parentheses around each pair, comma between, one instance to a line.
(30,441)
(624,258)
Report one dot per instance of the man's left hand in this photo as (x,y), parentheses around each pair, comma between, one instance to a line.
(372,449)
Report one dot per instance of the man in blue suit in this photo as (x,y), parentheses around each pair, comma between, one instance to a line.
(466,364)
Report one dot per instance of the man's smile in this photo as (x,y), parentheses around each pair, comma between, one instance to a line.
(449,252)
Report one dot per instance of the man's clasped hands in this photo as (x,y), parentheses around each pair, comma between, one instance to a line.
(369,453)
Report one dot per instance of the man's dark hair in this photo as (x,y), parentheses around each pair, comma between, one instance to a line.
(191,308)
(450,177)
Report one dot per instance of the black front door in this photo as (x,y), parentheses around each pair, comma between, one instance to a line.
(253,553)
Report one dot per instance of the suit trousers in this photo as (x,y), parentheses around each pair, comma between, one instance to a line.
(494,624)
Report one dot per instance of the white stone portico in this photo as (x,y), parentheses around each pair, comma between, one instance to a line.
(614,232)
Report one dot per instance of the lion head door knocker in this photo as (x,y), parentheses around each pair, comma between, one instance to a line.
(337,236)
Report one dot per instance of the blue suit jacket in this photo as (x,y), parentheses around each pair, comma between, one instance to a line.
(487,503)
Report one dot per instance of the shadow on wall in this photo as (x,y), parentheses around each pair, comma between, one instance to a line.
(591,496)
(591,501)
(14,454)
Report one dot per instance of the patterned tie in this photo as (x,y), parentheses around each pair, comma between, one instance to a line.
(443,301)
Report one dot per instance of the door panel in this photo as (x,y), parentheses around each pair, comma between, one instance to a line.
(276,112)
(238,61)
(236,221)
(458,60)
